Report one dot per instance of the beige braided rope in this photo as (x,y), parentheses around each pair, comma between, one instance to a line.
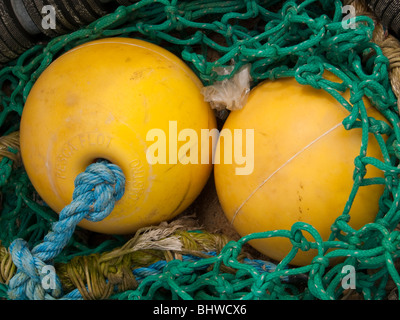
(8,142)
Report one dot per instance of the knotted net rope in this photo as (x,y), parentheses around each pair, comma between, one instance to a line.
(299,39)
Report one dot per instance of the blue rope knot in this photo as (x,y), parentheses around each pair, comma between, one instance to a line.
(96,191)
(29,283)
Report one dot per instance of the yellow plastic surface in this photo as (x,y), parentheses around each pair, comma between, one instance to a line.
(303,166)
(100,100)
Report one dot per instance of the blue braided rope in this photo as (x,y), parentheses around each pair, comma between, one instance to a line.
(96,191)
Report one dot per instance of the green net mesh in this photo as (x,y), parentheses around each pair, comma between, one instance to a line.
(297,39)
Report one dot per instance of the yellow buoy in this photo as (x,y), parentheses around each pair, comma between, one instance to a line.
(115,99)
(302,168)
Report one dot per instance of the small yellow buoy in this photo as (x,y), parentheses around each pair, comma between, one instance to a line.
(303,166)
(104,99)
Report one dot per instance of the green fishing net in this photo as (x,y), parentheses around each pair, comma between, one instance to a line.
(278,39)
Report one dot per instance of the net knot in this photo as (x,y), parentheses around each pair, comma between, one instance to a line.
(252,8)
(362,33)
(388,245)
(229,30)
(310,73)
(360,169)
(357,94)
(223,286)
(19,72)
(384,223)
(298,240)
(231,249)
(354,241)
(289,9)
(175,268)
(121,13)
(379,127)
(146,30)
(258,287)
(171,12)
(320,260)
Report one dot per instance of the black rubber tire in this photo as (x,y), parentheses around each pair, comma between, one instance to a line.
(24,39)
(380,8)
(3,59)
(372,3)
(23,17)
(14,48)
(395,25)
(96,7)
(388,14)
(6,52)
(126,2)
(76,13)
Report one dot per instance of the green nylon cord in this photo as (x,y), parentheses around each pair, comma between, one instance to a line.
(300,39)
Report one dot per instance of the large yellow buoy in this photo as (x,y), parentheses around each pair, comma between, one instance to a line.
(302,170)
(117,99)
